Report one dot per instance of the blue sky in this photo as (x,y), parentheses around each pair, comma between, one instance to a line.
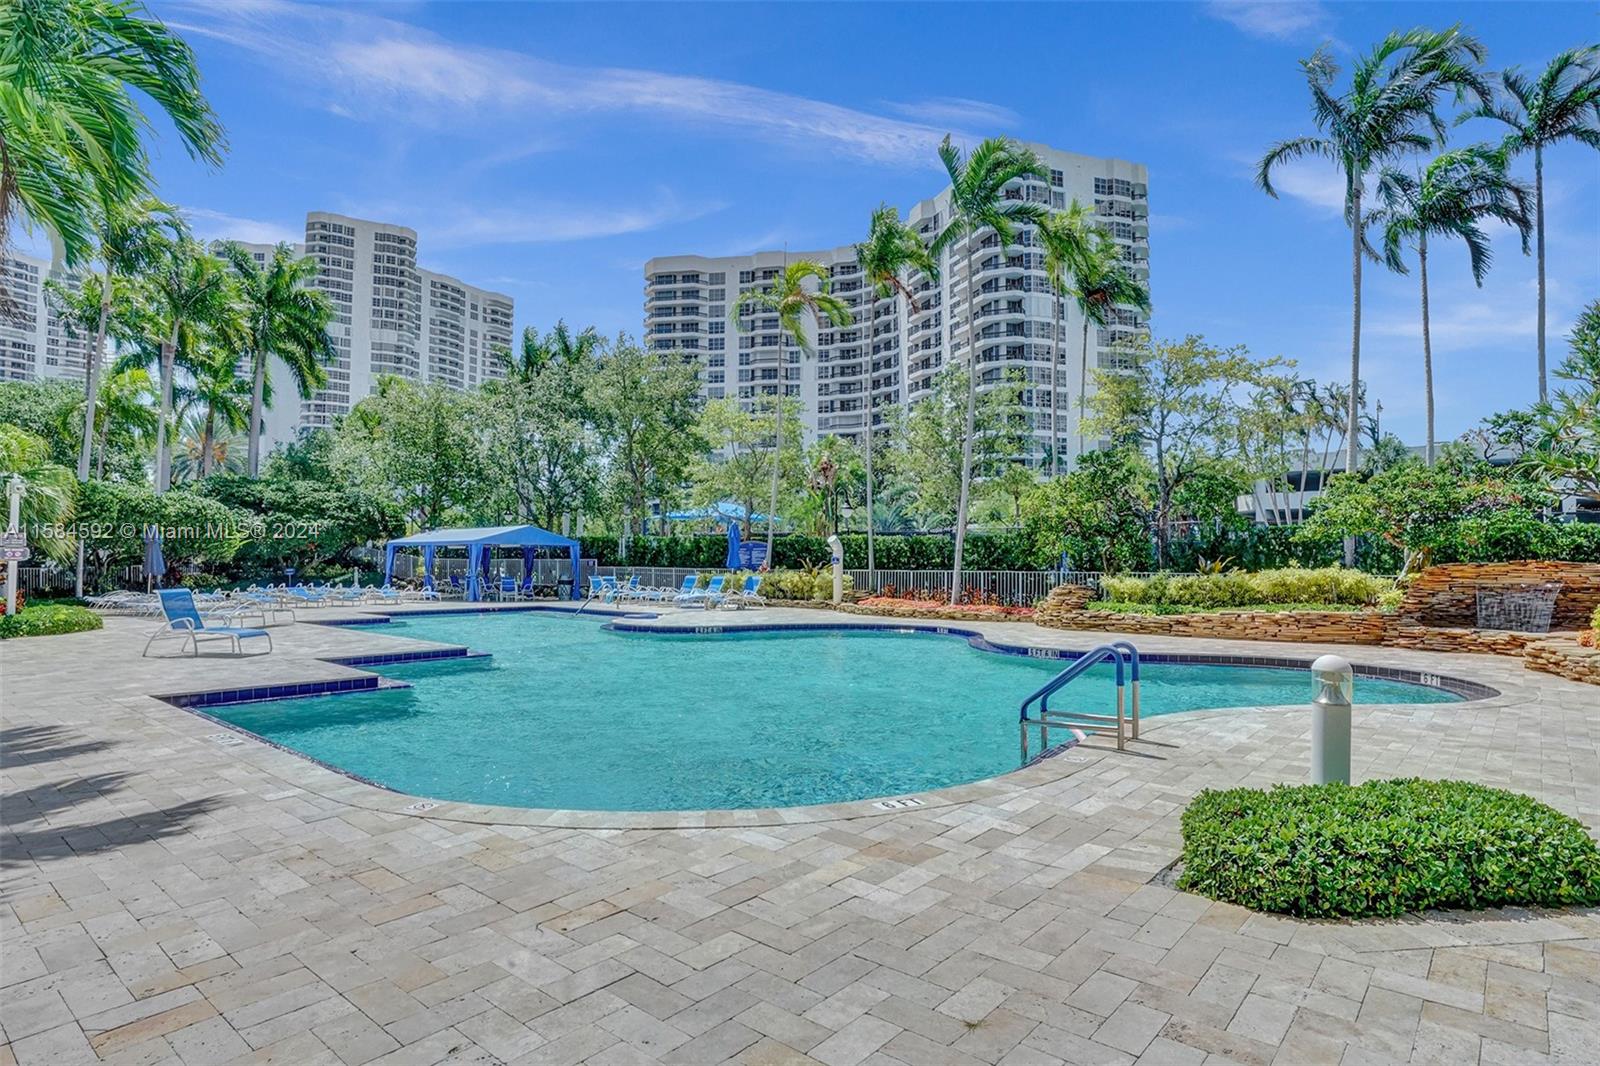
(549,150)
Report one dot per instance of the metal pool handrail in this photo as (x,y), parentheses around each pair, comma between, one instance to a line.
(1126,658)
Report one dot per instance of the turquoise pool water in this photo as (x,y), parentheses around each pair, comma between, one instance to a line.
(566,714)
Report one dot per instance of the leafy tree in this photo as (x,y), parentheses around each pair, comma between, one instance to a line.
(1013,483)
(1451,197)
(417,445)
(1561,104)
(539,433)
(891,251)
(834,474)
(1096,515)
(978,202)
(1567,445)
(196,529)
(1182,405)
(645,406)
(50,497)
(935,450)
(216,401)
(124,423)
(284,318)
(70,125)
(1068,243)
(739,465)
(800,292)
(43,408)
(304,523)
(1393,94)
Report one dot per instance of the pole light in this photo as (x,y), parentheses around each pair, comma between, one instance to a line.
(1330,720)
(14,490)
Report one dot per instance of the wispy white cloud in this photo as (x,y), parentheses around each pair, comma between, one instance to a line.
(1312,180)
(956,112)
(549,223)
(212,225)
(1275,20)
(375,66)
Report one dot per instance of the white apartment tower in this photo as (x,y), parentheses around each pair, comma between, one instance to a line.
(687,299)
(391,317)
(36,342)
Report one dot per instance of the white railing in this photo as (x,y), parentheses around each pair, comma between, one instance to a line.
(37,579)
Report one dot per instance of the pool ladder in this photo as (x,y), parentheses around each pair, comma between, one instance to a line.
(1121,725)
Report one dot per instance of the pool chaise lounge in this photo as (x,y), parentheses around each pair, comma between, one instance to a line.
(182,620)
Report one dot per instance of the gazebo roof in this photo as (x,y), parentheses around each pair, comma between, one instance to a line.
(519,536)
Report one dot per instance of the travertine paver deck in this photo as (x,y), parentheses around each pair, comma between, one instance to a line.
(172,898)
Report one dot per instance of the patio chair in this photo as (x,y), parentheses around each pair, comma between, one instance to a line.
(708,597)
(746,595)
(507,589)
(183,621)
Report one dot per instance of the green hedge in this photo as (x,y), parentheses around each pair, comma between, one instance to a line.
(1330,584)
(1385,848)
(48,619)
(894,551)
(1126,607)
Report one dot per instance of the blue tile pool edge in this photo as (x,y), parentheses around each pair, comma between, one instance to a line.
(1467,690)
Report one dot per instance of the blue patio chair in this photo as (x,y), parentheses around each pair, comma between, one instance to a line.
(708,597)
(182,620)
(747,596)
(508,589)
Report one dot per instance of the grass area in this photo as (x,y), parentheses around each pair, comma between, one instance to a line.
(1385,848)
(1127,607)
(49,619)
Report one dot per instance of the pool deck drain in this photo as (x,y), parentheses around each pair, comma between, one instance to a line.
(172,899)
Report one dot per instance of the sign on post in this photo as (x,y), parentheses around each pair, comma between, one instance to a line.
(14,547)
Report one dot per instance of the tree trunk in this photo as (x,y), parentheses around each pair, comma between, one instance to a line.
(777,454)
(1538,214)
(1083,383)
(91,393)
(258,390)
(169,353)
(1055,417)
(1427,344)
(1352,421)
(872,337)
(972,410)
(205,443)
(100,449)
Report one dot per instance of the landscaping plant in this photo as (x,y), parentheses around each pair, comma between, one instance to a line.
(1385,848)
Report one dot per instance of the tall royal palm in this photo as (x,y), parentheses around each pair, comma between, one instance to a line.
(70,125)
(190,293)
(980,201)
(1393,94)
(1066,239)
(891,251)
(1450,198)
(1103,283)
(793,300)
(285,318)
(217,401)
(1562,104)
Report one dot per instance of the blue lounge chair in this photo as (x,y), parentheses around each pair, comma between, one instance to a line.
(508,589)
(708,597)
(747,596)
(182,620)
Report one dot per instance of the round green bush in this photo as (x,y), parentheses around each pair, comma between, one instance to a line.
(48,619)
(1385,848)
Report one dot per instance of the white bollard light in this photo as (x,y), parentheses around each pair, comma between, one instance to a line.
(1330,720)
(836,548)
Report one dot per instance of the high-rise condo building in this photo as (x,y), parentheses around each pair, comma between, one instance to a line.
(35,341)
(390,317)
(1012,326)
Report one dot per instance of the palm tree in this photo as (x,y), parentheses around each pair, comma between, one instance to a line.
(192,295)
(283,317)
(51,496)
(1394,90)
(1562,104)
(557,346)
(792,301)
(1450,198)
(891,249)
(1066,241)
(1103,284)
(216,401)
(123,412)
(979,201)
(70,125)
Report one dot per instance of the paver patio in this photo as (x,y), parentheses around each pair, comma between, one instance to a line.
(172,894)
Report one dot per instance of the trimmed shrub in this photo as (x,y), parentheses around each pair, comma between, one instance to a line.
(1237,588)
(1125,607)
(1385,848)
(801,585)
(47,620)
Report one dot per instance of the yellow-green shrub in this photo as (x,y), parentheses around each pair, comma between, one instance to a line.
(1238,588)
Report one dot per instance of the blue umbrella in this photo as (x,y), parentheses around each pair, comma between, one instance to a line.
(154,563)
(733,546)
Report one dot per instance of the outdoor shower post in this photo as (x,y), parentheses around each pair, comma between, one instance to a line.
(837,548)
(1330,720)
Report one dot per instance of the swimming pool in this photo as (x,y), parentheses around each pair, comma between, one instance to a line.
(566,714)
